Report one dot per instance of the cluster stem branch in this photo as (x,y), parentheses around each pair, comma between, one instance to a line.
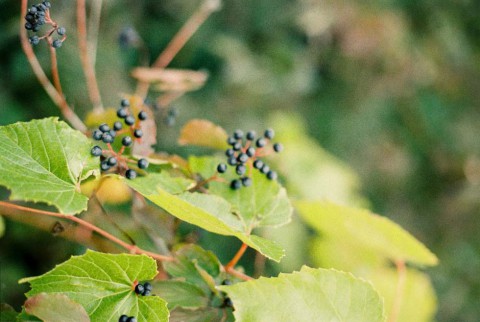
(399,292)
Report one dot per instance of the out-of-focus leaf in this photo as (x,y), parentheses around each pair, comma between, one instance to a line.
(2,226)
(203,133)
(45,161)
(55,308)
(307,295)
(209,314)
(7,313)
(180,294)
(174,80)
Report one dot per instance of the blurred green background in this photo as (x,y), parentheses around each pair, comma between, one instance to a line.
(392,88)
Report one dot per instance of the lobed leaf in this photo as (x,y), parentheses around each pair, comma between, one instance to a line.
(307,295)
(46,160)
(103,285)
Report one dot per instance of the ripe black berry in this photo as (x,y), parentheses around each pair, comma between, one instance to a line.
(269,133)
(148,289)
(123,318)
(61,31)
(125,103)
(34,40)
(57,43)
(112,161)
(142,163)
(251,151)
(97,135)
(231,140)
(104,166)
(129,120)
(272,175)
(261,143)
(122,113)
(277,147)
(237,146)
(96,151)
(130,174)
(104,128)
(232,160)
(107,138)
(242,158)
(265,169)
(258,164)
(127,141)
(139,288)
(238,134)
(227,302)
(246,181)
(250,135)
(117,126)
(221,168)
(229,152)
(235,184)
(227,282)
(240,169)
(132,319)
(142,115)
(138,133)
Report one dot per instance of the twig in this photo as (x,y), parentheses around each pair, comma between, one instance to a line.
(56,97)
(93,26)
(239,275)
(236,258)
(180,39)
(399,292)
(13,209)
(88,68)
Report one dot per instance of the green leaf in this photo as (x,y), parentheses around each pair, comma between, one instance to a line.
(209,314)
(55,308)
(103,285)
(364,229)
(7,313)
(45,161)
(180,294)
(203,133)
(307,295)
(265,203)
(2,226)
(209,212)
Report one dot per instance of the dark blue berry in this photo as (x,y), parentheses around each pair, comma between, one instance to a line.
(241,169)
(250,151)
(127,141)
(237,146)
(242,158)
(107,138)
(269,134)
(139,288)
(57,43)
(97,135)
(117,126)
(130,174)
(232,160)
(34,40)
(46,4)
(142,115)
(138,133)
(28,26)
(123,318)
(272,175)
(112,161)
(258,164)
(235,184)
(227,302)
(122,113)
(238,134)
(104,128)
(132,319)
(250,135)
(227,282)
(61,31)
(104,166)
(125,103)
(142,163)
(148,289)
(265,169)
(246,181)
(277,147)
(96,151)
(229,152)
(231,140)
(221,168)
(129,120)
(261,143)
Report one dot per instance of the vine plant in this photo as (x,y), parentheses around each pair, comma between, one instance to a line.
(232,192)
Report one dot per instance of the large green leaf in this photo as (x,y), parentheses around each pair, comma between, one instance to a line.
(44,161)
(365,230)
(264,203)
(307,295)
(103,285)
(207,211)
(55,308)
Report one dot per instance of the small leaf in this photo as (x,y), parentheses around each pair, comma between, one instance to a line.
(209,212)
(45,161)
(203,133)
(180,294)
(103,285)
(55,308)
(365,229)
(307,295)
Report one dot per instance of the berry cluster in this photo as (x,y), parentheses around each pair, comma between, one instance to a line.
(143,289)
(37,16)
(125,318)
(109,158)
(245,152)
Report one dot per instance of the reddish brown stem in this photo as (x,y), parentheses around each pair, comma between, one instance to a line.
(88,68)
(56,97)
(13,209)
(236,258)
(399,292)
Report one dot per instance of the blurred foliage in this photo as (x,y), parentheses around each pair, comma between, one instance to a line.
(389,87)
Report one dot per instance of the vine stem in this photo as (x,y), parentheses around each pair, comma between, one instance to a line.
(236,258)
(88,68)
(399,292)
(56,97)
(12,209)
(180,39)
